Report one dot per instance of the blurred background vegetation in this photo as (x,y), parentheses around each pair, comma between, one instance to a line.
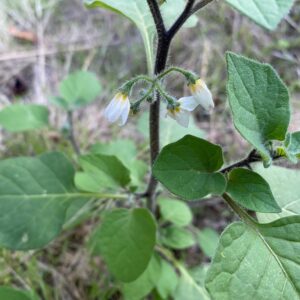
(42,41)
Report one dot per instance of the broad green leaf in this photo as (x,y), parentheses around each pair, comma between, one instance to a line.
(126,240)
(61,102)
(293,147)
(198,273)
(139,13)
(76,210)
(266,13)
(78,89)
(24,117)
(175,211)
(177,237)
(167,280)
(251,190)
(170,130)
(35,194)
(143,285)
(101,172)
(8,293)
(188,168)
(125,150)
(259,101)
(257,262)
(284,184)
(208,240)
(188,289)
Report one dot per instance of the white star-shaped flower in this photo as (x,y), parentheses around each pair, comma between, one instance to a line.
(181,110)
(202,94)
(118,109)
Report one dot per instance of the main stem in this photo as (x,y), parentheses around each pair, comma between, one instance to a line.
(164,41)
(160,65)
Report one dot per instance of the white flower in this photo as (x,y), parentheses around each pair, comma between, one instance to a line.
(202,94)
(118,109)
(181,110)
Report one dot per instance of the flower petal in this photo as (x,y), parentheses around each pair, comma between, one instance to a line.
(204,97)
(183,118)
(113,110)
(188,103)
(125,113)
(115,107)
(110,107)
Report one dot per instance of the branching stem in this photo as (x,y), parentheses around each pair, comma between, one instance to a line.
(173,69)
(199,6)
(246,162)
(164,39)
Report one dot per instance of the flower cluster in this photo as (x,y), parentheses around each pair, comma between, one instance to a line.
(119,108)
(201,95)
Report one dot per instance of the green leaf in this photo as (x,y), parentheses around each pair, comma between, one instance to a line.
(139,13)
(142,286)
(198,273)
(59,101)
(175,211)
(8,293)
(24,117)
(188,289)
(267,13)
(188,168)
(208,240)
(259,101)
(126,240)
(257,262)
(167,280)
(78,89)
(251,191)
(170,131)
(101,172)
(125,150)
(35,194)
(293,147)
(284,184)
(177,237)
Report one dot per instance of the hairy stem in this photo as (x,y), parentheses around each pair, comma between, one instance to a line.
(181,19)
(160,64)
(173,69)
(246,162)
(164,39)
(199,5)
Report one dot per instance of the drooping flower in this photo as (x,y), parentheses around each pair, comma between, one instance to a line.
(202,94)
(180,111)
(118,109)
